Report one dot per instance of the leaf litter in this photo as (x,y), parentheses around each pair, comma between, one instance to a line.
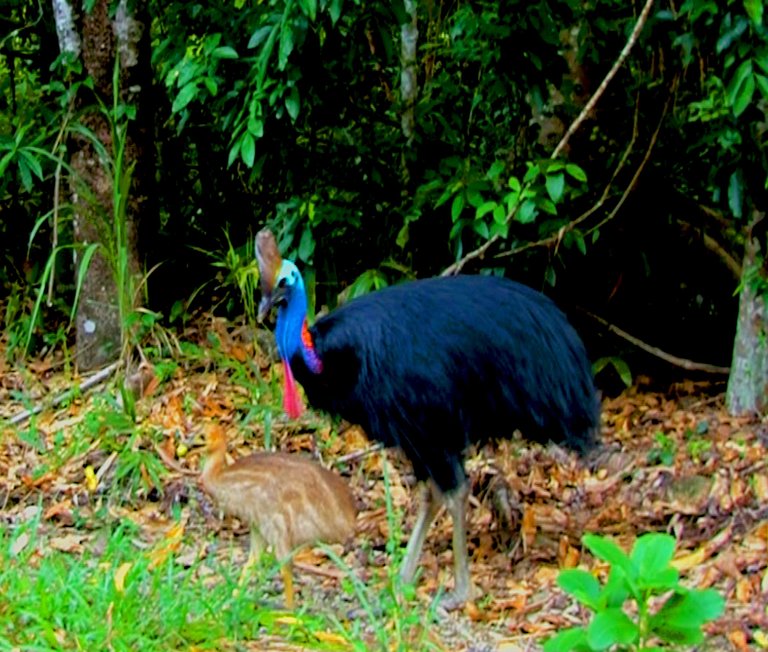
(674,462)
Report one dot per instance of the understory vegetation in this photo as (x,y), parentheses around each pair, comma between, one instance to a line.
(611,154)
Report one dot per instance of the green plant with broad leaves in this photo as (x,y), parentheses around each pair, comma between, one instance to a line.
(642,606)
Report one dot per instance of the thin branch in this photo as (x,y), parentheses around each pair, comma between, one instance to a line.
(475,253)
(636,175)
(556,237)
(590,105)
(68,394)
(358,455)
(715,247)
(480,251)
(690,365)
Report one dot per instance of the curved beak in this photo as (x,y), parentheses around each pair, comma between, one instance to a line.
(270,262)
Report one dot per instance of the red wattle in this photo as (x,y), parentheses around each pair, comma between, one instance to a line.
(291,400)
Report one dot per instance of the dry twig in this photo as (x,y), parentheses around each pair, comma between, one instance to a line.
(659,353)
(480,251)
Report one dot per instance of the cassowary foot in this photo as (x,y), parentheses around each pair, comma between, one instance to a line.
(457,599)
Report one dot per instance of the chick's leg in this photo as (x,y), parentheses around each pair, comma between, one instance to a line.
(428,509)
(287,573)
(257,547)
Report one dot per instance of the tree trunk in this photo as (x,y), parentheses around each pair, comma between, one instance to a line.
(748,383)
(409,88)
(104,302)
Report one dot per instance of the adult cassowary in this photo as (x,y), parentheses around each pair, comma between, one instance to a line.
(432,366)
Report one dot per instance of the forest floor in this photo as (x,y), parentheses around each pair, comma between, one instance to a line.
(672,462)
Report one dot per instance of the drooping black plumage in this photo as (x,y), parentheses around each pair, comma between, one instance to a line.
(435,365)
(432,366)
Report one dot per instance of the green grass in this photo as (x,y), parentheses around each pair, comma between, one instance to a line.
(113,594)
(119,600)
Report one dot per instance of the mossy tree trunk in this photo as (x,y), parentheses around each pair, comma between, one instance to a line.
(748,383)
(101,40)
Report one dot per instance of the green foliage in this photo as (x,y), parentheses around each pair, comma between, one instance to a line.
(392,610)
(240,272)
(56,600)
(731,37)
(663,613)
(619,365)
(664,450)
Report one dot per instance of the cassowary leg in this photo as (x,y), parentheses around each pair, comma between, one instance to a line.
(463,590)
(427,512)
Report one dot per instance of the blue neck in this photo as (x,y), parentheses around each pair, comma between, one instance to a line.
(290,320)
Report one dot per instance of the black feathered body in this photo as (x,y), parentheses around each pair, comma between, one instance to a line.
(434,365)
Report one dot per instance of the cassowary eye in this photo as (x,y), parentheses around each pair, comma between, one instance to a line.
(281,283)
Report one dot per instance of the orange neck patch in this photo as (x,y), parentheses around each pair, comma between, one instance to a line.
(311,357)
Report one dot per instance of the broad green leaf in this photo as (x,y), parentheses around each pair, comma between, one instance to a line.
(247,149)
(547,205)
(457,228)
(499,215)
(550,275)
(225,52)
(576,172)
(335,10)
(762,85)
(5,161)
(306,246)
(211,85)
(260,35)
(187,71)
(754,10)
(33,162)
(292,103)
(607,550)
(735,194)
(622,368)
(532,172)
(497,167)
(255,127)
(652,553)
(499,230)
(689,609)
(309,8)
(514,184)
(611,627)
(26,174)
(185,96)
(555,184)
(664,580)
(481,228)
(569,640)
(234,151)
(741,88)
(578,238)
(527,212)
(457,206)
(581,585)
(679,635)
(474,197)
(484,209)
(286,46)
